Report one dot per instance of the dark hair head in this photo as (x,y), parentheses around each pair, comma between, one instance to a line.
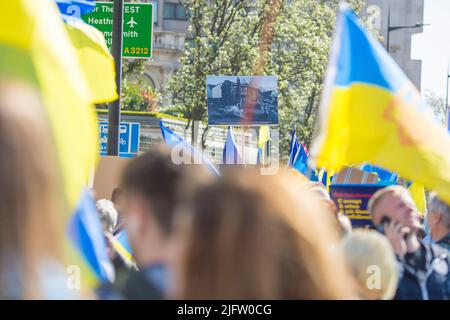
(161,182)
(116,194)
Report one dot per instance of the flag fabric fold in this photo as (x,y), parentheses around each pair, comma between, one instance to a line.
(293,148)
(85,231)
(35,48)
(75,8)
(417,192)
(187,153)
(95,60)
(231,153)
(263,139)
(370,112)
(97,63)
(301,159)
(50,64)
(122,246)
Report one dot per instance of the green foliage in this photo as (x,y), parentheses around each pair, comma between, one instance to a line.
(228,38)
(437,104)
(136,96)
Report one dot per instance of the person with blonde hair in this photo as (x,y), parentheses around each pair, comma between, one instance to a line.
(247,236)
(373,264)
(424,266)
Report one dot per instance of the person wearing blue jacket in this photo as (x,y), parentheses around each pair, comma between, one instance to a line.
(424,267)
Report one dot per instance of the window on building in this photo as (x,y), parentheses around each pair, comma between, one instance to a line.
(180,12)
(174,11)
(155,12)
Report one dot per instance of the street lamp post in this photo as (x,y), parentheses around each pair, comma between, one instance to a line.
(393,28)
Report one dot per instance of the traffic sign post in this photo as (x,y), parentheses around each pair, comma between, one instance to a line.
(128,139)
(128,31)
(114,107)
(137,27)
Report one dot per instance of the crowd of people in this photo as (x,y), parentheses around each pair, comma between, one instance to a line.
(193,235)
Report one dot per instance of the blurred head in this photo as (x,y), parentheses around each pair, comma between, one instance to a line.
(108,215)
(117,198)
(28,188)
(372,261)
(152,186)
(247,236)
(438,217)
(342,223)
(394,203)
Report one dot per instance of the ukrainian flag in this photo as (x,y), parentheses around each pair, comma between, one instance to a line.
(96,62)
(263,149)
(174,141)
(370,112)
(35,48)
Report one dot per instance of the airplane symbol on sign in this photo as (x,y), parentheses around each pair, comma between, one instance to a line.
(132,23)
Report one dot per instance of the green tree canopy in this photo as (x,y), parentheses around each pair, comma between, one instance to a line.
(286,38)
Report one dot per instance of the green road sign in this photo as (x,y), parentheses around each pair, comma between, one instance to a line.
(137,27)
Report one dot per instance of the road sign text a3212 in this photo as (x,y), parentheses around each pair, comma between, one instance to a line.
(137,27)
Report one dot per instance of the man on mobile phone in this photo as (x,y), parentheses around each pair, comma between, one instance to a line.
(424,267)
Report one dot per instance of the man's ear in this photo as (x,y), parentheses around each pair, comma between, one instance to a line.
(438,217)
(434,218)
(136,215)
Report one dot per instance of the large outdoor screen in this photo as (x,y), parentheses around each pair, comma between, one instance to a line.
(242,100)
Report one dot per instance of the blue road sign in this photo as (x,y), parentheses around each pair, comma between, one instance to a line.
(129,139)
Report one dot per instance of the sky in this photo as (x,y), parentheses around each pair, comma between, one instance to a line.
(433,46)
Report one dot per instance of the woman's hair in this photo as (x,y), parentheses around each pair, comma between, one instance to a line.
(27,189)
(372,261)
(247,236)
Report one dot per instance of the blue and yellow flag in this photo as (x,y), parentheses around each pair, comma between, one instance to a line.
(35,48)
(96,62)
(293,148)
(370,112)
(263,138)
(122,246)
(417,192)
(188,153)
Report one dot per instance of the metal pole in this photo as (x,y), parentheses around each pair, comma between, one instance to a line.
(388,28)
(114,107)
(446,100)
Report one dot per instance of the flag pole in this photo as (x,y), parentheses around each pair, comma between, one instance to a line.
(446,96)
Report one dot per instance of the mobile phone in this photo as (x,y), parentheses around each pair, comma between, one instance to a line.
(385,220)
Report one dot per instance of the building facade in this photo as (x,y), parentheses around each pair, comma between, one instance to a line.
(402,13)
(169,33)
